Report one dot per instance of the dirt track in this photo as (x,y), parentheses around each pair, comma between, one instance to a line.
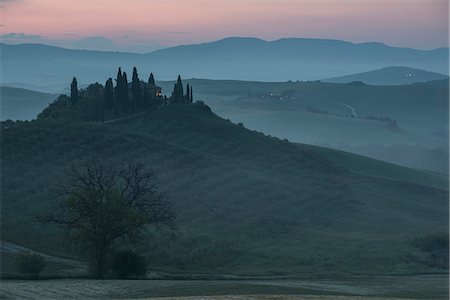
(423,287)
(272,297)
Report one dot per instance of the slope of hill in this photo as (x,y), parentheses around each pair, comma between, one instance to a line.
(420,111)
(421,108)
(242,58)
(246,203)
(22,104)
(318,113)
(390,76)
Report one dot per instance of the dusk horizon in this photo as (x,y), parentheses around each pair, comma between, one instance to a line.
(157,24)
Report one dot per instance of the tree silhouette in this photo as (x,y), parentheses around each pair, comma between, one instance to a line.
(136,92)
(74,91)
(151,79)
(125,98)
(187,96)
(118,93)
(100,203)
(109,95)
(178,93)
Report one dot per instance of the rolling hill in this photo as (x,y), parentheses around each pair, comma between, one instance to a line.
(317,113)
(246,203)
(420,108)
(239,58)
(390,76)
(285,109)
(22,104)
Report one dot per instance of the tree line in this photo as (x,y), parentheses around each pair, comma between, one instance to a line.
(127,98)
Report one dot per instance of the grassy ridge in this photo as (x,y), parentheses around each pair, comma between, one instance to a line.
(390,76)
(246,203)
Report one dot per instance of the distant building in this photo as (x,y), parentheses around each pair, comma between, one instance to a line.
(152,89)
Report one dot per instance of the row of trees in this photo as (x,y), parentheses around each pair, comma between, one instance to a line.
(178,95)
(129,98)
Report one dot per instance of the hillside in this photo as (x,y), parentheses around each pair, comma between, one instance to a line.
(420,111)
(390,76)
(424,103)
(239,58)
(246,203)
(421,108)
(22,104)
(284,109)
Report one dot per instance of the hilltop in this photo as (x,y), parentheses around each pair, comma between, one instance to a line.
(390,76)
(246,203)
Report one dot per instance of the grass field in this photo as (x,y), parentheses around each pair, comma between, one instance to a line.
(411,287)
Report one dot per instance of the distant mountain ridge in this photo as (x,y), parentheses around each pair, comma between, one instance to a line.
(394,75)
(232,58)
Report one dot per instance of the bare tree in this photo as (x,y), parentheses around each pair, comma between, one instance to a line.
(100,203)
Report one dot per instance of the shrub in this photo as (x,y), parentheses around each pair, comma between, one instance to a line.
(30,264)
(435,247)
(128,264)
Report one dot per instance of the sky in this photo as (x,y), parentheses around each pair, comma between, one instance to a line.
(146,25)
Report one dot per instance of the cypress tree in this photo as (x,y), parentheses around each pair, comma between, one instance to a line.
(186,98)
(191,97)
(118,93)
(74,91)
(125,98)
(136,92)
(178,93)
(109,94)
(151,79)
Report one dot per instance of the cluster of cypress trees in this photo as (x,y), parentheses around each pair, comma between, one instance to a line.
(178,95)
(138,96)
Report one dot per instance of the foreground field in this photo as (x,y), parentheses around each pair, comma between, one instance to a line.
(386,287)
